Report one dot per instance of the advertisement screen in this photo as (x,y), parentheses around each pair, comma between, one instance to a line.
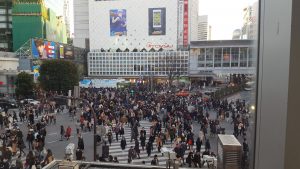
(42,49)
(68,52)
(36,72)
(118,25)
(157,21)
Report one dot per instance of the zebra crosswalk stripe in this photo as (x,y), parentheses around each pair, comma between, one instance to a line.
(122,155)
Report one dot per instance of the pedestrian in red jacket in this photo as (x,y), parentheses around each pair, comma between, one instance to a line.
(68,132)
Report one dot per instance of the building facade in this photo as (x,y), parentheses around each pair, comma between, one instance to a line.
(5,25)
(81,23)
(249,28)
(32,19)
(133,24)
(137,64)
(221,57)
(193,19)
(203,28)
(8,72)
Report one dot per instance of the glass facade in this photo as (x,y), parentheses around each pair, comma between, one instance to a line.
(135,64)
(225,57)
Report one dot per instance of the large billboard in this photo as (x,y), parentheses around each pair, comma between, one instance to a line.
(42,49)
(118,25)
(157,21)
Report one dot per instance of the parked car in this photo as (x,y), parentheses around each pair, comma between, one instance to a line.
(29,101)
(10,103)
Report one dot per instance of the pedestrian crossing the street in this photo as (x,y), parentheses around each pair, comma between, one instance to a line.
(122,155)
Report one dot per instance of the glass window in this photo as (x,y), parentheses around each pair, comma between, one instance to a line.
(243,57)
(226,57)
(234,57)
(209,57)
(218,57)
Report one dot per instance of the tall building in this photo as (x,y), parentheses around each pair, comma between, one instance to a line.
(35,20)
(81,23)
(187,22)
(193,19)
(203,28)
(236,34)
(249,28)
(5,25)
(67,18)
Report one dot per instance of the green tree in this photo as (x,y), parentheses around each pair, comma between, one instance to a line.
(24,84)
(58,75)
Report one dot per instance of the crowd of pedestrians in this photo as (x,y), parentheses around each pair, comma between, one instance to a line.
(173,119)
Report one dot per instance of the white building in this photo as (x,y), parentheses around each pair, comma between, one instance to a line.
(66,15)
(237,33)
(203,28)
(193,19)
(9,65)
(137,64)
(133,24)
(249,28)
(81,23)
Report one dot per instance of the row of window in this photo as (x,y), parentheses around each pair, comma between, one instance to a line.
(118,73)
(224,57)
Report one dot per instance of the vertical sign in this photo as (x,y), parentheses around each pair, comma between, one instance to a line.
(180,23)
(186,23)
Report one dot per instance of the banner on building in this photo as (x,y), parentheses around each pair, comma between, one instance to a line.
(42,49)
(186,23)
(157,21)
(118,25)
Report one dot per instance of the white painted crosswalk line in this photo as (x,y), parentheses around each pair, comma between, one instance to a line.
(122,155)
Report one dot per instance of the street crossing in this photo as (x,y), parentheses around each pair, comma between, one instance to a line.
(116,151)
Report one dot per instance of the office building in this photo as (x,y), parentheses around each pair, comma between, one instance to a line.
(5,25)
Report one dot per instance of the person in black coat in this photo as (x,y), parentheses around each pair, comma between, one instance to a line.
(123,143)
(80,143)
(198,144)
(149,148)
(190,159)
(143,141)
(197,159)
(137,148)
(207,145)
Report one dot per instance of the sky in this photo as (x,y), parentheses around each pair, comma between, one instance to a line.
(224,16)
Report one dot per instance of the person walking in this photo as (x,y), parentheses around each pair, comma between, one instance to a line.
(207,145)
(80,143)
(137,148)
(149,148)
(109,137)
(123,143)
(155,161)
(30,138)
(62,132)
(143,141)
(131,154)
(190,159)
(68,132)
(198,144)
